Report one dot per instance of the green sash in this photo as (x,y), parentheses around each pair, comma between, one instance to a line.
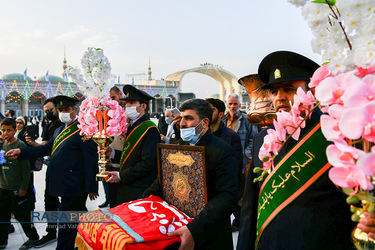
(64,135)
(133,138)
(298,169)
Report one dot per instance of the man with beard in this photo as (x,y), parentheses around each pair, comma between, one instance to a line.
(116,95)
(50,202)
(210,229)
(237,121)
(218,129)
(293,208)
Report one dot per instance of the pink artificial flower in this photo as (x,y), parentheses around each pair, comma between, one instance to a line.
(344,147)
(111,131)
(295,124)
(336,110)
(113,123)
(331,89)
(361,93)
(113,104)
(345,172)
(87,117)
(306,98)
(361,72)
(291,120)
(268,165)
(358,122)
(123,124)
(319,75)
(269,144)
(367,164)
(280,131)
(283,118)
(263,152)
(330,122)
(339,158)
(274,144)
(330,128)
(92,122)
(349,177)
(84,104)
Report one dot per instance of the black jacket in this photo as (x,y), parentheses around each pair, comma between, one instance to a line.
(318,219)
(140,169)
(72,166)
(233,139)
(211,229)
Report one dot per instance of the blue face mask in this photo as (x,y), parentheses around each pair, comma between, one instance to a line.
(168,120)
(189,135)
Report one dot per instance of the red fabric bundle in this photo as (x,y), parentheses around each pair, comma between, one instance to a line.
(140,224)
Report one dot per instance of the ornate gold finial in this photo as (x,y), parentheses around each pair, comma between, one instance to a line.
(277,73)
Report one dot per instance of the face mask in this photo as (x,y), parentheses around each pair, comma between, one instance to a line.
(168,120)
(51,116)
(189,135)
(132,113)
(65,118)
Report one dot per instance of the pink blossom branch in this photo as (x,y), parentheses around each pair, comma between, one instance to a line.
(265,171)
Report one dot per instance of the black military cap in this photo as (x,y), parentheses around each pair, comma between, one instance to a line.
(131,93)
(285,66)
(62,101)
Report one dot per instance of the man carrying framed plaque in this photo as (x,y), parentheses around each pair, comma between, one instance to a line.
(211,228)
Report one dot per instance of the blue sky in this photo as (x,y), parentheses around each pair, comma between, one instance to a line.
(176,35)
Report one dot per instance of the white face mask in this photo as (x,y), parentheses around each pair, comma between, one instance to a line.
(65,118)
(132,113)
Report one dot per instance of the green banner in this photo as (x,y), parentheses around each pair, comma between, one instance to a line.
(133,138)
(65,134)
(298,169)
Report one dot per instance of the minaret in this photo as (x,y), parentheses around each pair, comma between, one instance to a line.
(149,70)
(64,64)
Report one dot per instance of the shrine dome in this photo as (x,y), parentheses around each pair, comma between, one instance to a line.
(15,76)
(52,78)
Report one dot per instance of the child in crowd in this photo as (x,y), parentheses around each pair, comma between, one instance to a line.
(14,179)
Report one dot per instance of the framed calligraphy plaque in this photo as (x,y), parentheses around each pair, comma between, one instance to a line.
(182,177)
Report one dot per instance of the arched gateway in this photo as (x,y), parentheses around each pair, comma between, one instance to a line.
(227,81)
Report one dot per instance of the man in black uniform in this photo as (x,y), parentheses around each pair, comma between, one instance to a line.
(138,159)
(316,218)
(72,167)
(211,229)
(50,202)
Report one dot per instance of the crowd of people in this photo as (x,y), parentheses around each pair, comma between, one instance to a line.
(315,218)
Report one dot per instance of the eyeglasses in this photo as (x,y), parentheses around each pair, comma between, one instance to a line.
(19,122)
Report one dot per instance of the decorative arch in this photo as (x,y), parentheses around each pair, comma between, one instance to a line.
(227,81)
